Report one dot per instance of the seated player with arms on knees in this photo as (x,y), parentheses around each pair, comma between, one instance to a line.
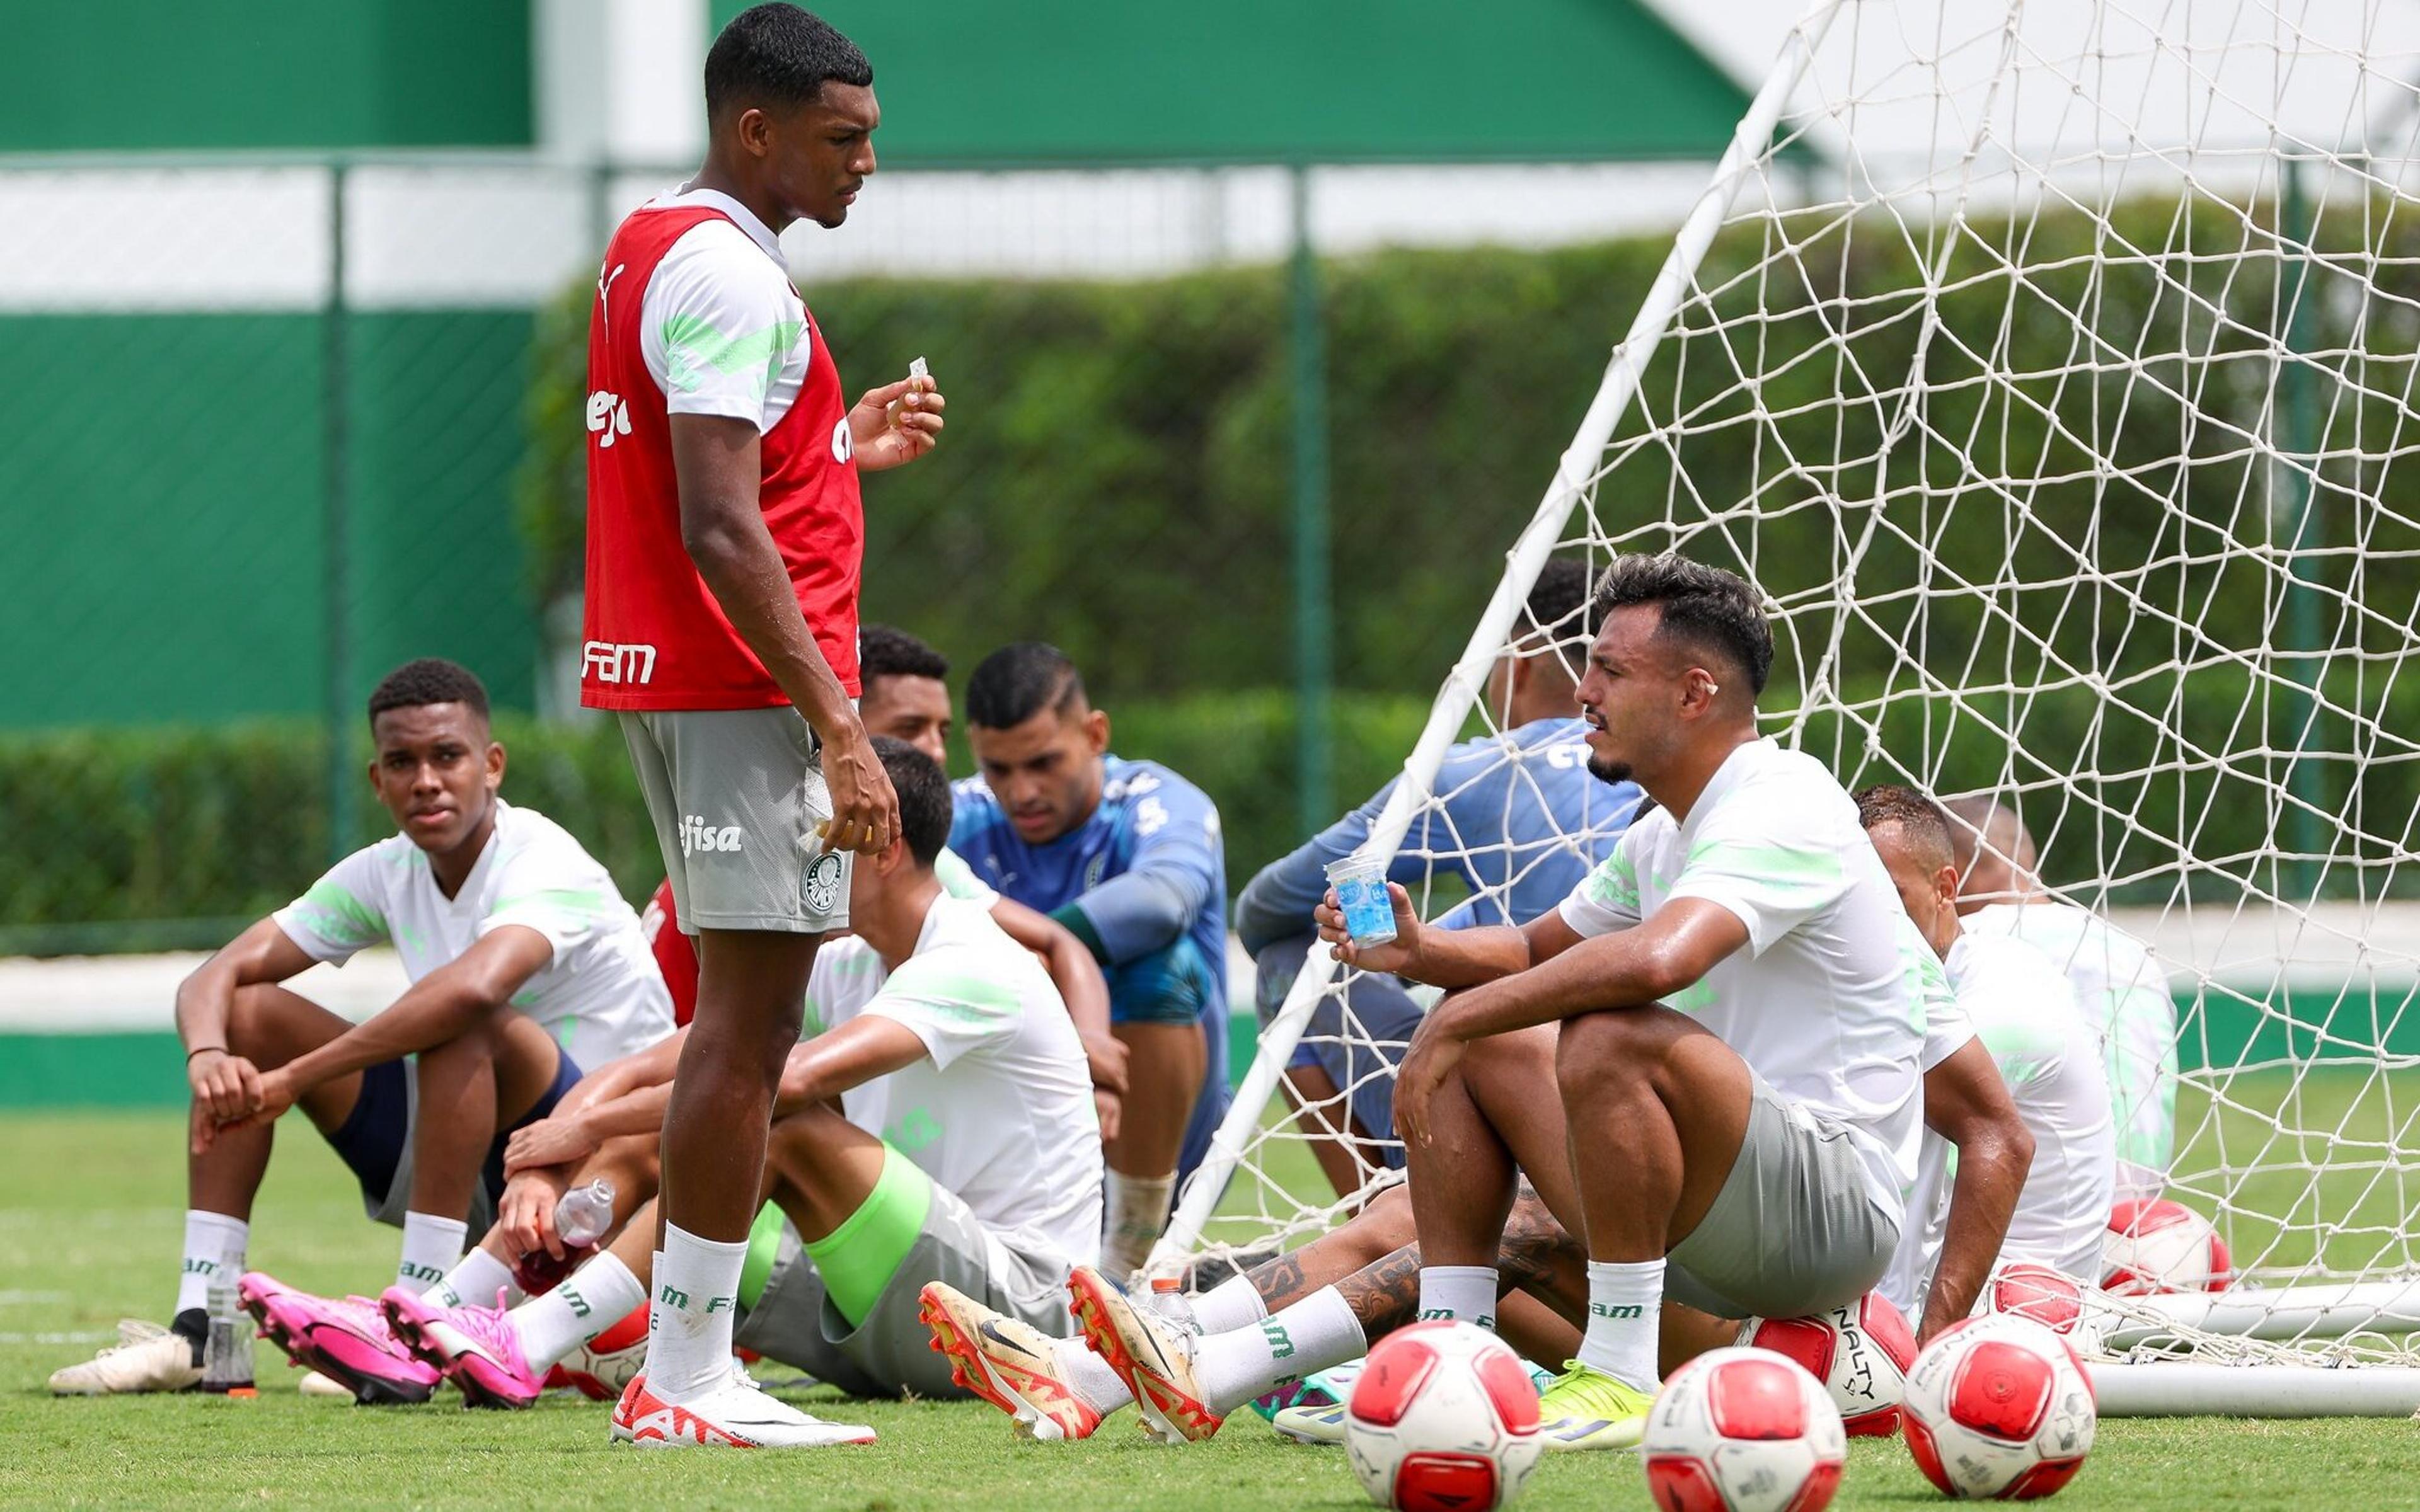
(1127,855)
(2025,1018)
(964,1149)
(1708,1054)
(521,957)
(1519,821)
(2120,990)
(906,697)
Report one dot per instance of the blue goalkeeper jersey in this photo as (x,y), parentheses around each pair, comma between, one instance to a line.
(1517,818)
(1145,869)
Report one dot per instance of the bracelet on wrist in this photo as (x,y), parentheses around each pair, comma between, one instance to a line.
(190,1054)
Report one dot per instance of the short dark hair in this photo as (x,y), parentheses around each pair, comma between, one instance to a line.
(1558,600)
(780,56)
(1017,682)
(886,651)
(924,797)
(1715,609)
(429,680)
(1893,803)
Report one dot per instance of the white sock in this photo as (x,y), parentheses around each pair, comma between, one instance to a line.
(1138,1210)
(688,1322)
(477,1280)
(1464,1293)
(431,1245)
(591,1300)
(1318,1332)
(1625,1305)
(1090,1376)
(214,1245)
(1232,1303)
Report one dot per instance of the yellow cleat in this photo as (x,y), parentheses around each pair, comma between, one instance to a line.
(1587,1409)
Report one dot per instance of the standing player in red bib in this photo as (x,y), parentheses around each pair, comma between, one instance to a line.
(724,539)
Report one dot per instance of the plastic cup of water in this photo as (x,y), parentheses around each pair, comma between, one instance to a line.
(1361,884)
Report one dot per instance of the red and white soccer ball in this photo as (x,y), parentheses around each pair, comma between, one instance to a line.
(2156,1245)
(1859,1353)
(1444,1418)
(2048,1297)
(1743,1431)
(603,1365)
(1999,1408)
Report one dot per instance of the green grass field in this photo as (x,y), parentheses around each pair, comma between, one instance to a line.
(90,1217)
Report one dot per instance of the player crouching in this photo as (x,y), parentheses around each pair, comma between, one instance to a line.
(520,955)
(964,1150)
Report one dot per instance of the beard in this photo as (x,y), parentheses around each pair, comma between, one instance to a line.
(1605,769)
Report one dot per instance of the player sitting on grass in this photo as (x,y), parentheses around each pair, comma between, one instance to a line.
(907,699)
(2024,1015)
(964,1150)
(1519,820)
(1127,855)
(522,956)
(2121,992)
(1708,1054)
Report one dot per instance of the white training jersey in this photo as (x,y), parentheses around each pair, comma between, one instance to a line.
(1000,1111)
(722,329)
(2017,999)
(1826,1001)
(599,994)
(2124,997)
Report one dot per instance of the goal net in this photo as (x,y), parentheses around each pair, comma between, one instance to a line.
(2048,365)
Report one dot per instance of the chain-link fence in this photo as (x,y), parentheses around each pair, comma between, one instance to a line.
(277,426)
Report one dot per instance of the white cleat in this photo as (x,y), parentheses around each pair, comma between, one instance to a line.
(315,1385)
(734,1415)
(145,1357)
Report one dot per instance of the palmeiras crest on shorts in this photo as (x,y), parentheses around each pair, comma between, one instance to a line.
(821,887)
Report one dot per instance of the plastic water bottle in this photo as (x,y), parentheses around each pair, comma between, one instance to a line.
(1167,1299)
(226,1351)
(581,1219)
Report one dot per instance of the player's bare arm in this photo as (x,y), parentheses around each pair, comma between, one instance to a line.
(717,461)
(436,1009)
(226,1086)
(579,1124)
(829,1064)
(1967,1103)
(1630,968)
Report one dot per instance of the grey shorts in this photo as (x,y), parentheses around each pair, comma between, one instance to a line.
(890,1354)
(736,796)
(1792,1231)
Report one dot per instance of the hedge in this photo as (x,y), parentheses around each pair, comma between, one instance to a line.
(162,837)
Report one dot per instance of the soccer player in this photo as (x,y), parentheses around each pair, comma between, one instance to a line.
(725,535)
(963,1150)
(1705,1060)
(1127,855)
(908,699)
(2120,989)
(2024,1015)
(1519,821)
(522,958)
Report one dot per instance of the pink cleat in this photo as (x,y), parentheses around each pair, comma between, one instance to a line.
(347,1341)
(477,1348)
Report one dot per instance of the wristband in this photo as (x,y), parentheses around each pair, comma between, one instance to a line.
(190,1054)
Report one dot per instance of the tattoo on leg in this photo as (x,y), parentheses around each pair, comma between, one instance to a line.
(1386,1293)
(1280,1281)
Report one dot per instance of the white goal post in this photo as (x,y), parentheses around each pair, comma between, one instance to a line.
(2050,367)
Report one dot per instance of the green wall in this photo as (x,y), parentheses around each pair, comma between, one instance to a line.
(1279,79)
(162,486)
(188,74)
